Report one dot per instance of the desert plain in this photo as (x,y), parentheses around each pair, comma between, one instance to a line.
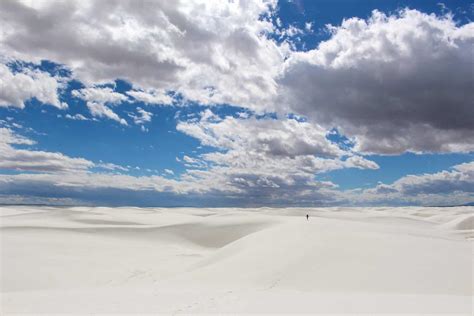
(106,260)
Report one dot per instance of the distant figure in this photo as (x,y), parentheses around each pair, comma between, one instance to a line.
(307,217)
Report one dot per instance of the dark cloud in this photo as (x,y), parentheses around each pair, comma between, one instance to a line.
(396,83)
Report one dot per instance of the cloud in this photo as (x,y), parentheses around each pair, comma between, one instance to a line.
(9,137)
(267,159)
(390,84)
(287,137)
(151,97)
(142,116)
(17,88)
(34,160)
(35,200)
(84,181)
(97,100)
(230,177)
(190,162)
(395,83)
(209,51)
(104,95)
(447,187)
(360,163)
(76,117)
(235,170)
(26,159)
(111,166)
(54,171)
(101,110)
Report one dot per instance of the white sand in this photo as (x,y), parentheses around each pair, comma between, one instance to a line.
(141,260)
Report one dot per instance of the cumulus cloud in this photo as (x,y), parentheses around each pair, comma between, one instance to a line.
(288,137)
(111,166)
(169,171)
(390,83)
(237,177)
(97,100)
(8,137)
(76,117)
(55,173)
(209,51)
(141,117)
(237,168)
(17,88)
(270,159)
(396,83)
(100,95)
(151,97)
(455,186)
(191,162)
(101,110)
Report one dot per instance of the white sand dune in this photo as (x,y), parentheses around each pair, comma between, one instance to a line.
(184,260)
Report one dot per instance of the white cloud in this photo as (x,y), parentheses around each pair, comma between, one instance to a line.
(194,162)
(76,117)
(292,31)
(151,97)
(8,137)
(466,168)
(142,116)
(111,166)
(97,100)
(287,137)
(89,181)
(56,173)
(232,175)
(396,83)
(360,163)
(209,51)
(17,88)
(27,159)
(262,177)
(101,110)
(104,95)
(34,160)
(270,158)
(391,83)
(448,187)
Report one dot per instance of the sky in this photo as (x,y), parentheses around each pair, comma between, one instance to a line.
(237,103)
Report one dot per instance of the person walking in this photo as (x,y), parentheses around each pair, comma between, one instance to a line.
(307,217)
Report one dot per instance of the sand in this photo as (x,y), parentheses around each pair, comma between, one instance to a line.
(101,260)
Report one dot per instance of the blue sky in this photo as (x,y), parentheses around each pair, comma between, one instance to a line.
(237,104)
(323,12)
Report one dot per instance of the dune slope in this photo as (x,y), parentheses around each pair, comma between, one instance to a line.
(111,260)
